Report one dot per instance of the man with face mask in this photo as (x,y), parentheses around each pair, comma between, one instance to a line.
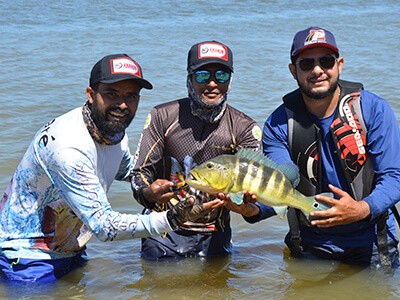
(186,132)
(57,199)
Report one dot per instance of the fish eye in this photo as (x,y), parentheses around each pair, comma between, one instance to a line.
(209,165)
(316,205)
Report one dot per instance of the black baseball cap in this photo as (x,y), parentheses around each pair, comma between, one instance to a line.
(209,52)
(118,67)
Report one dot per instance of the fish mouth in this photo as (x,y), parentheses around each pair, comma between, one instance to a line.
(195,181)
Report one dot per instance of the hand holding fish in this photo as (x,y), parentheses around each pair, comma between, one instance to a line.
(160,191)
(188,211)
(247,208)
(346,210)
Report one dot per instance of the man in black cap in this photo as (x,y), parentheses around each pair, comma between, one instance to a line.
(345,140)
(185,132)
(57,198)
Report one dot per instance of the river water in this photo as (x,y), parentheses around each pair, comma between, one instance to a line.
(47,49)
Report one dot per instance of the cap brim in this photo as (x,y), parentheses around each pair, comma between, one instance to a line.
(209,62)
(324,45)
(143,82)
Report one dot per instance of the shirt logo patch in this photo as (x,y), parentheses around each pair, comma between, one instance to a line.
(148,120)
(213,50)
(124,66)
(315,36)
(256,133)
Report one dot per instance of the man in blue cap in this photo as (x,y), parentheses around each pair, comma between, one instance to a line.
(344,140)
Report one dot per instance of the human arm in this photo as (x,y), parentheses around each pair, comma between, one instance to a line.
(247,208)
(78,184)
(148,164)
(125,168)
(275,137)
(383,148)
(342,211)
(275,145)
(74,175)
(251,210)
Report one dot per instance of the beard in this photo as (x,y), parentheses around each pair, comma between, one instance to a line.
(319,95)
(106,126)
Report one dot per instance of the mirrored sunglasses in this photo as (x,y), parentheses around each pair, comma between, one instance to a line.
(204,76)
(326,62)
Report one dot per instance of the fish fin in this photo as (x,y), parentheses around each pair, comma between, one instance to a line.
(257,156)
(175,166)
(188,164)
(236,198)
(176,175)
(328,194)
(280,211)
(290,170)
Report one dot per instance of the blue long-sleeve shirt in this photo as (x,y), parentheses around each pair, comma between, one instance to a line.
(383,144)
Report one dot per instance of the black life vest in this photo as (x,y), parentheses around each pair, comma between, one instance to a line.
(349,133)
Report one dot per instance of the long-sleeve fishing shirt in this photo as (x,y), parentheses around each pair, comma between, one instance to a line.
(57,200)
(383,144)
(172,131)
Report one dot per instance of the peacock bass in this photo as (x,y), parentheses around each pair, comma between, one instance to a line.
(251,171)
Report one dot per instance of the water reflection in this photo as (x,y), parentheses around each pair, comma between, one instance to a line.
(68,287)
(312,278)
(194,277)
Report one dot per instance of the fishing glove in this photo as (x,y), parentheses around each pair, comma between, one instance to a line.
(185,211)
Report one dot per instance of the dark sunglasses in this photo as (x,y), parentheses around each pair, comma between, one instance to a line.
(203,76)
(326,62)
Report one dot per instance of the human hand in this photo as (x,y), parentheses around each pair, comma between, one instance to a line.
(185,211)
(346,210)
(160,191)
(247,208)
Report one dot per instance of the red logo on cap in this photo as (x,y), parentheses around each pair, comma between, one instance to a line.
(315,36)
(123,65)
(213,50)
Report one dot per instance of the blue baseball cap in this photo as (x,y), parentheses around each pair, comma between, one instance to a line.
(313,37)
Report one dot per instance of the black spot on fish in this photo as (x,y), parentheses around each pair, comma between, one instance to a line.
(242,173)
(266,175)
(253,169)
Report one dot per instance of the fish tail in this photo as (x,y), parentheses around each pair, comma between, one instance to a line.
(317,205)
